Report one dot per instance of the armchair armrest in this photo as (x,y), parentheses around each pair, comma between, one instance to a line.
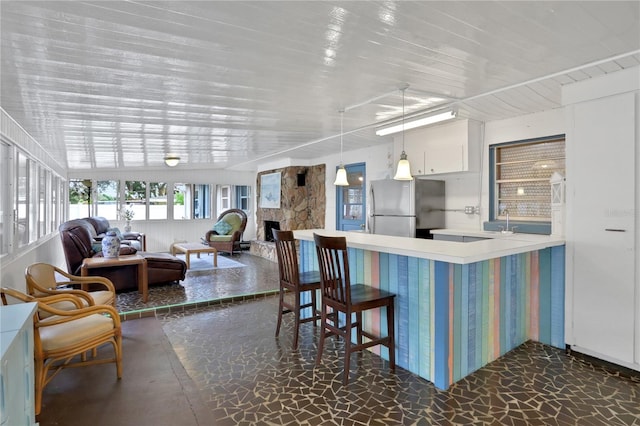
(74,314)
(136,236)
(44,301)
(74,279)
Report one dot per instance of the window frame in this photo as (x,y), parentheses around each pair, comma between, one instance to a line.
(495,216)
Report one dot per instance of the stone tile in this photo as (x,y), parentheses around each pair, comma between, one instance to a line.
(252,377)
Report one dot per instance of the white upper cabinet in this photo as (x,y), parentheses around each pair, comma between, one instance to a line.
(445,148)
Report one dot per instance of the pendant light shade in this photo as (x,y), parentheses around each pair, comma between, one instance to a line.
(341,174)
(341,177)
(403,172)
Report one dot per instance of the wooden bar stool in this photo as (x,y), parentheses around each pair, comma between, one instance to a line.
(294,281)
(339,295)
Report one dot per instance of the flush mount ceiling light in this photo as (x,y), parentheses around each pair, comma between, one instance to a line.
(403,172)
(341,174)
(171,160)
(419,122)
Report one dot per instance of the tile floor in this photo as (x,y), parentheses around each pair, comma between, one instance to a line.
(240,374)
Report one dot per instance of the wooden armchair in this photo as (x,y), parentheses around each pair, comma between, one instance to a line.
(227,231)
(62,337)
(41,281)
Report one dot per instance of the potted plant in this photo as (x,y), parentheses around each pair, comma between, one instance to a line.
(127,214)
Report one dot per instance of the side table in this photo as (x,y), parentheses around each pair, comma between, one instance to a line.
(133,259)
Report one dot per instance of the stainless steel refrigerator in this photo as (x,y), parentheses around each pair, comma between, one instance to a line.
(406,208)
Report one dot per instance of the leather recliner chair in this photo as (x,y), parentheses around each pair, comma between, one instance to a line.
(77,245)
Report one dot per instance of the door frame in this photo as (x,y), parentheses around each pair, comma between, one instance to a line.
(340,222)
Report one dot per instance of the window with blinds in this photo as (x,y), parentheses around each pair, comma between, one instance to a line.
(521,178)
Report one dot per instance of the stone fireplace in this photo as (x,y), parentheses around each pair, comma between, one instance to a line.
(269,226)
(302,205)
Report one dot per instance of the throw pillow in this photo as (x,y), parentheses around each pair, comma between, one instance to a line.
(222,227)
(125,250)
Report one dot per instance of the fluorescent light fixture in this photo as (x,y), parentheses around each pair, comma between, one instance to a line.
(425,121)
(171,160)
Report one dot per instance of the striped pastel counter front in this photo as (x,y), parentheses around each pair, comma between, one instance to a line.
(459,306)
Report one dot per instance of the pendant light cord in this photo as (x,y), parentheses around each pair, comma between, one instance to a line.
(341,133)
(403,90)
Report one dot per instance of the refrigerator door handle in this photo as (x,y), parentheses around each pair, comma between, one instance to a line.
(372,205)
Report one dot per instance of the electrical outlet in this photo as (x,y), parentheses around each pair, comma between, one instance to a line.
(469,209)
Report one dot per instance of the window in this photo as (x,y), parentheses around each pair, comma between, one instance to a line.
(243,196)
(191,201)
(44,192)
(520,181)
(54,217)
(157,200)
(34,196)
(135,195)
(6,210)
(79,198)
(22,194)
(107,199)
(224,198)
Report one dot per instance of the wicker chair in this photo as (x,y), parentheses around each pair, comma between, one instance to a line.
(41,281)
(62,338)
(235,221)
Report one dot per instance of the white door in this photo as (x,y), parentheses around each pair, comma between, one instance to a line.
(602,167)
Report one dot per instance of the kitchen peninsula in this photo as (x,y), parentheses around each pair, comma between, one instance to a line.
(459,305)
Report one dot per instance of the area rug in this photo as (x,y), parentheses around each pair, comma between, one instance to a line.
(206,262)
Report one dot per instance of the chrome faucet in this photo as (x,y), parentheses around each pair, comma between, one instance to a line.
(506,230)
(506,211)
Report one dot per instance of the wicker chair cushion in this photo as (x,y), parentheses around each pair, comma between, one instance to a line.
(234,220)
(73,332)
(220,238)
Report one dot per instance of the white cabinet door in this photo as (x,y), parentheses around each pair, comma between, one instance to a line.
(439,149)
(603,162)
(414,148)
(442,158)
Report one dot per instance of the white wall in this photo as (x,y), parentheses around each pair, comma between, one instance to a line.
(48,250)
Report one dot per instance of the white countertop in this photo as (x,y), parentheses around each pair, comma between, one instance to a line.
(497,245)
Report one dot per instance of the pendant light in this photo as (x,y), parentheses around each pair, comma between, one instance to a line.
(403,172)
(341,175)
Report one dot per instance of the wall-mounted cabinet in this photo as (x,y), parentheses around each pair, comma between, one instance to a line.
(445,148)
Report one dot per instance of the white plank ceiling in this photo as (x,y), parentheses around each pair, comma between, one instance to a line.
(228,84)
